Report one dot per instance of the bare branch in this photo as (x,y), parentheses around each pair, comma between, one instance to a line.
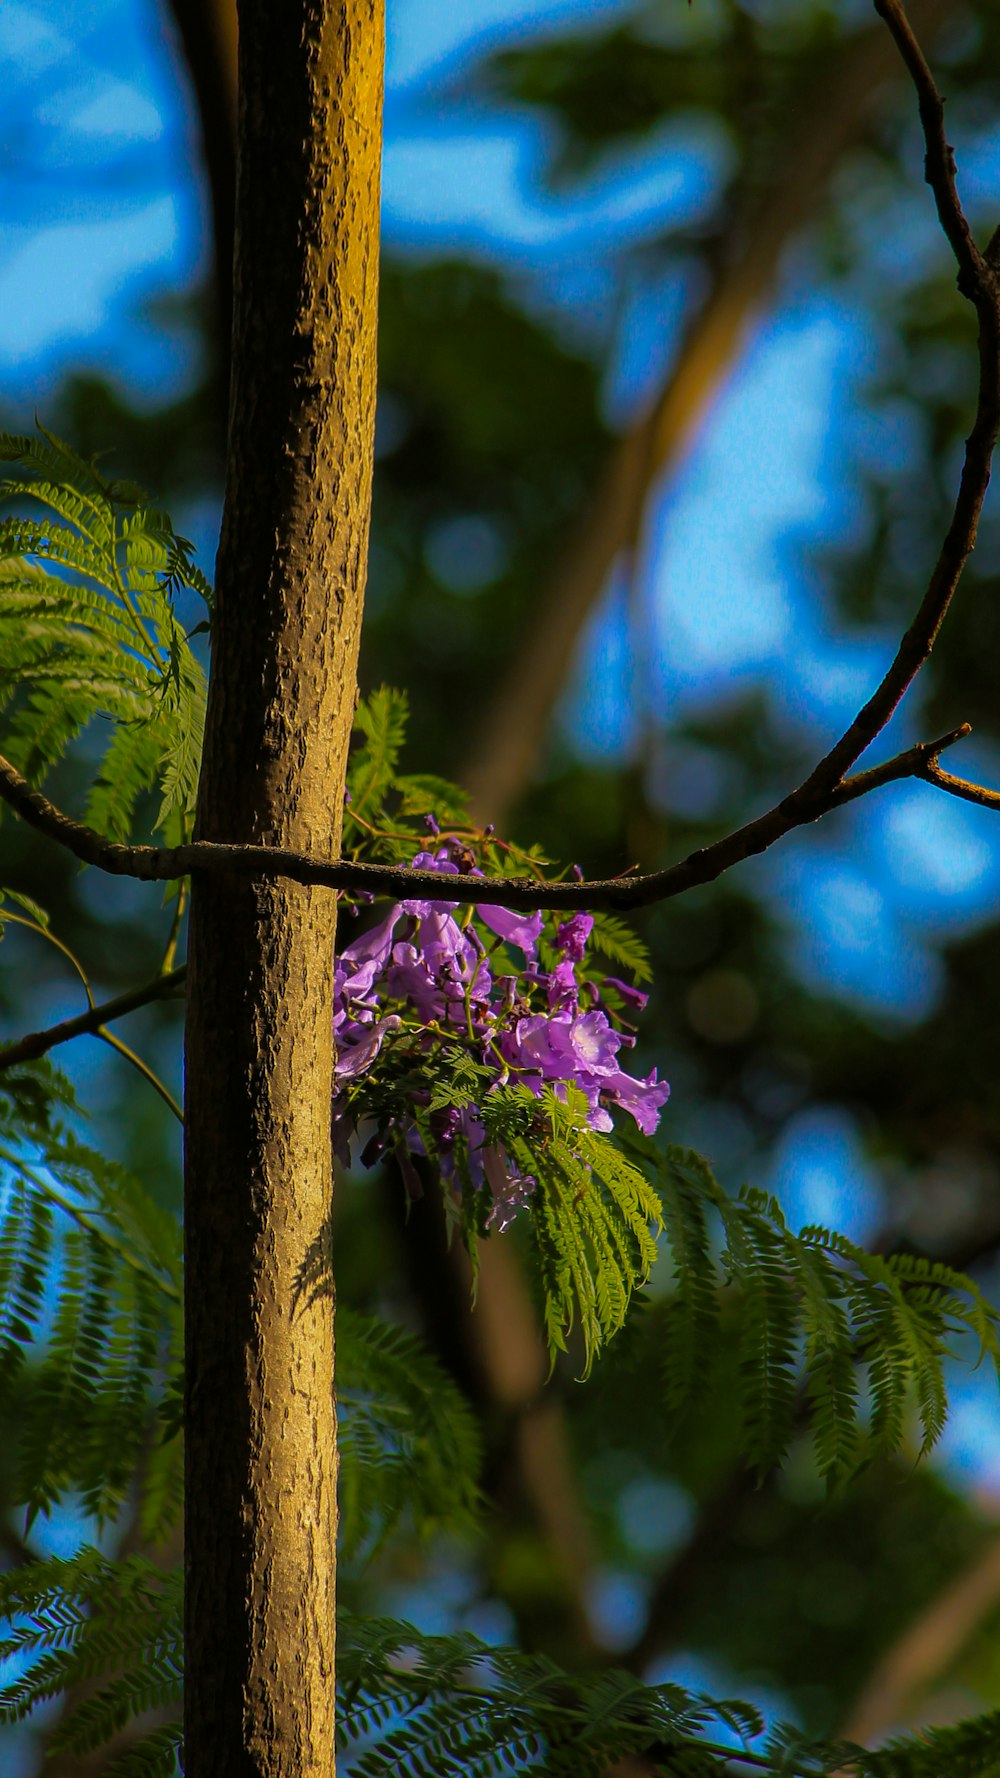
(831,118)
(89,1023)
(939,165)
(165,863)
(970,793)
(979,280)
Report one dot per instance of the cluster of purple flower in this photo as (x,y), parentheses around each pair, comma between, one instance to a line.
(423,978)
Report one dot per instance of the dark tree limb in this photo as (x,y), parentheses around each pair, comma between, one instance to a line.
(979,280)
(826,787)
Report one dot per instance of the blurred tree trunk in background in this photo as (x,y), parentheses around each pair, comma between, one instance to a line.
(208,34)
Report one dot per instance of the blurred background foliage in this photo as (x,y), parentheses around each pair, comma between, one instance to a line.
(674,380)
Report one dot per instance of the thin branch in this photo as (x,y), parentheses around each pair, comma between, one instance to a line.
(970,793)
(939,164)
(165,863)
(979,280)
(826,787)
(90,1023)
(148,1074)
(833,116)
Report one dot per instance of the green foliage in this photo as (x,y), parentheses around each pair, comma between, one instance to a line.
(90,1298)
(89,577)
(385,816)
(415,1706)
(962,1750)
(418,1706)
(594,1215)
(113,1627)
(90,1294)
(831,1338)
(408,1442)
(816,1313)
(616,941)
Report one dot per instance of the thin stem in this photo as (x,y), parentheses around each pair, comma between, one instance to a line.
(44,932)
(170,954)
(476,836)
(969,792)
(142,1068)
(38,1043)
(979,281)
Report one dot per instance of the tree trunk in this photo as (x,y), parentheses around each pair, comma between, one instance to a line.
(260,1518)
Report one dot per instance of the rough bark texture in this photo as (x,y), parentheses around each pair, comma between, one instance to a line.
(261,1448)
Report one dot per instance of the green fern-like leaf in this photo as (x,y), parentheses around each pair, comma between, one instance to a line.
(154,1756)
(421,793)
(412,1706)
(756,1258)
(963,1750)
(79,1233)
(693,1307)
(408,1442)
(382,720)
(88,631)
(818,1318)
(71,1623)
(614,938)
(594,1214)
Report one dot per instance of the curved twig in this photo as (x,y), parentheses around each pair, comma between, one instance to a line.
(963,787)
(829,120)
(979,280)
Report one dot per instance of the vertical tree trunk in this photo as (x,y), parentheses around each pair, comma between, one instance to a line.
(261,1450)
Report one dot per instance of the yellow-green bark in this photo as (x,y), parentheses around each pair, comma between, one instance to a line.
(261,1447)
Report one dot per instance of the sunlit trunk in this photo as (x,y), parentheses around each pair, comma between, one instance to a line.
(261,1446)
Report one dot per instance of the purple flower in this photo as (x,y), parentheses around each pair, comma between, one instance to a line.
(371,949)
(522,930)
(439,861)
(563,989)
(408,978)
(573,935)
(595,1043)
(643,1098)
(632,996)
(540,1027)
(355,1059)
(511,1189)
